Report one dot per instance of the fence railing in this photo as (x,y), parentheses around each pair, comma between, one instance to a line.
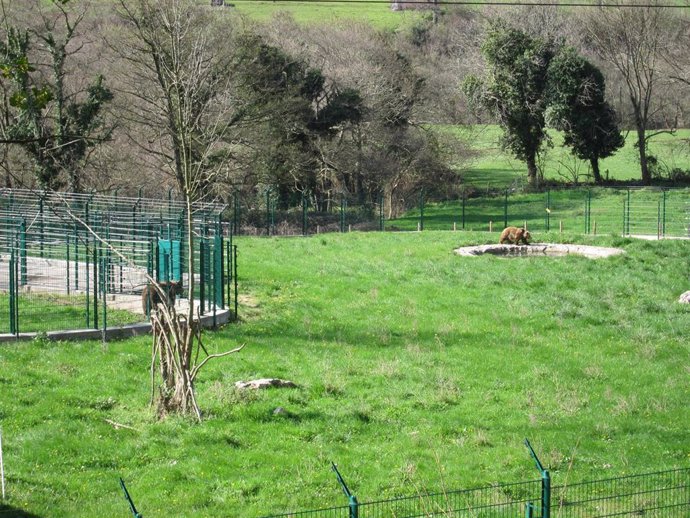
(664,494)
(55,275)
(662,212)
(653,495)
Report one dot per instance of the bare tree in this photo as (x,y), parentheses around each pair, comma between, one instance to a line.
(635,39)
(180,95)
(46,113)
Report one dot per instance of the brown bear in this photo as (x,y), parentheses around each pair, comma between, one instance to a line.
(150,296)
(514,235)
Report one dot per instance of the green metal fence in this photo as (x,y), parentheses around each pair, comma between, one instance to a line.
(664,494)
(56,275)
(261,214)
(649,211)
(630,211)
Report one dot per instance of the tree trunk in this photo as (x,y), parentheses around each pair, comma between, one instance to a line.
(532,177)
(594,162)
(642,145)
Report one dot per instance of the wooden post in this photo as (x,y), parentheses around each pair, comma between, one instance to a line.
(595,227)
(318,229)
(349,228)
(525,227)
(491,226)
(419,227)
(560,226)
(454,226)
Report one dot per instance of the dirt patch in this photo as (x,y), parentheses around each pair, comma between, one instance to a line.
(539,249)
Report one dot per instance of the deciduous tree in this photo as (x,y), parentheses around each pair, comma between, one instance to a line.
(634,39)
(514,90)
(576,95)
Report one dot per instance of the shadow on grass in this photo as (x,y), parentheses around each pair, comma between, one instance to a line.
(7,511)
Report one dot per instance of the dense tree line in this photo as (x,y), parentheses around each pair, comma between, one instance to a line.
(325,109)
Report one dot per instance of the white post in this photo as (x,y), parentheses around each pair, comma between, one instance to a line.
(2,467)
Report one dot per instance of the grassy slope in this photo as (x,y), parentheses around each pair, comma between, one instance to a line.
(496,168)
(417,369)
(379,15)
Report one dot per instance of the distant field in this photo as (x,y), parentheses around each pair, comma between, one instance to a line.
(378,14)
(493,167)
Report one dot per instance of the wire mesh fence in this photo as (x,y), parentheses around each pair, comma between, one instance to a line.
(660,494)
(262,214)
(74,261)
(631,211)
(653,495)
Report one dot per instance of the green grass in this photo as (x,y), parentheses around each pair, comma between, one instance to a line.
(492,167)
(53,312)
(417,369)
(378,15)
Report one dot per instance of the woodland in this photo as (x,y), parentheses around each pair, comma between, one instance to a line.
(325,108)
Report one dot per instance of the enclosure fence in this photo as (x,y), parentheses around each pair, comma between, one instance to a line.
(55,274)
(664,494)
(650,211)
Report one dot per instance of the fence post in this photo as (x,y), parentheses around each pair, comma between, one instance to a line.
(132,508)
(41,223)
(202,275)
(505,210)
(67,257)
(236,213)
(464,201)
(234,275)
(548,210)
(304,214)
(95,284)
(529,510)
(228,266)
(663,214)
(627,216)
(14,327)
(268,211)
(421,209)
(342,212)
(22,253)
(588,206)
(381,219)
(352,499)
(104,292)
(545,483)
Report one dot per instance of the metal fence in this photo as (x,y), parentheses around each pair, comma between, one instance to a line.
(260,214)
(664,494)
(632,211)
(55,274)
(662,212)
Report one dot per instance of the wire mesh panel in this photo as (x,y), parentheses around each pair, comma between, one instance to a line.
(654,495)
(266,213)
(500,501)
(82,261)
(332,512)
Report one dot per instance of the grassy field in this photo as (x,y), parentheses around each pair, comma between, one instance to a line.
(417,369)
(491,167)
(377,14)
